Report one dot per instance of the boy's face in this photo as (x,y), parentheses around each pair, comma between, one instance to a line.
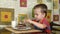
(37,13)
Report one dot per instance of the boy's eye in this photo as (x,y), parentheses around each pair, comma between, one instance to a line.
(36,14)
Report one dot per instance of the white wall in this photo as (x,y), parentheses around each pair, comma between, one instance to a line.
(27,10)
(7,4)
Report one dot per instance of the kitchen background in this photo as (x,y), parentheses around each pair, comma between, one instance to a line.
(14,5)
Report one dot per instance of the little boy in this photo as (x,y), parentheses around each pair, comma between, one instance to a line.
(40,21)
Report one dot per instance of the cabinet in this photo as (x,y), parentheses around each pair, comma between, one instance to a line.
(3,31)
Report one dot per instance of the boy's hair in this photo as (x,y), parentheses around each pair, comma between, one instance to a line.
(43,7)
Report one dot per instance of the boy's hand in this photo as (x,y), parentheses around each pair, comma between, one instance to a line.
(24,20)
(27,20)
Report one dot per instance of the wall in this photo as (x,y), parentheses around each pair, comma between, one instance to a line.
(15,4)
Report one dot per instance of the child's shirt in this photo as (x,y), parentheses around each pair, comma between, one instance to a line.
(44,21)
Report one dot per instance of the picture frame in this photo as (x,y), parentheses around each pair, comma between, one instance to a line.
(48,0)
(49,13)
(23,3)
(39,1)
(21,17)
(59,1)
(7,15)
(55,17)
(55,4)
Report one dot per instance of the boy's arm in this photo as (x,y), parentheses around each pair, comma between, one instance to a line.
(39,25)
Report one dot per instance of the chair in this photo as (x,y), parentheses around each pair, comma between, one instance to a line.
(54,29)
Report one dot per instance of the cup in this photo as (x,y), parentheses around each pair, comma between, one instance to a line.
(13,24)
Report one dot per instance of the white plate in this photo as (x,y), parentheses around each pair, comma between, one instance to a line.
(27,28)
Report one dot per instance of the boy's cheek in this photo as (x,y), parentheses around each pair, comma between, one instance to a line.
(40,16)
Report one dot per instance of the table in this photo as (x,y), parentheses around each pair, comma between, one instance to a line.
(20,32)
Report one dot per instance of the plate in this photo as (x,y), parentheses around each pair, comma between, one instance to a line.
(26,28)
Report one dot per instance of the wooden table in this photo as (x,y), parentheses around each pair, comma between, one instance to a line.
(20,32)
